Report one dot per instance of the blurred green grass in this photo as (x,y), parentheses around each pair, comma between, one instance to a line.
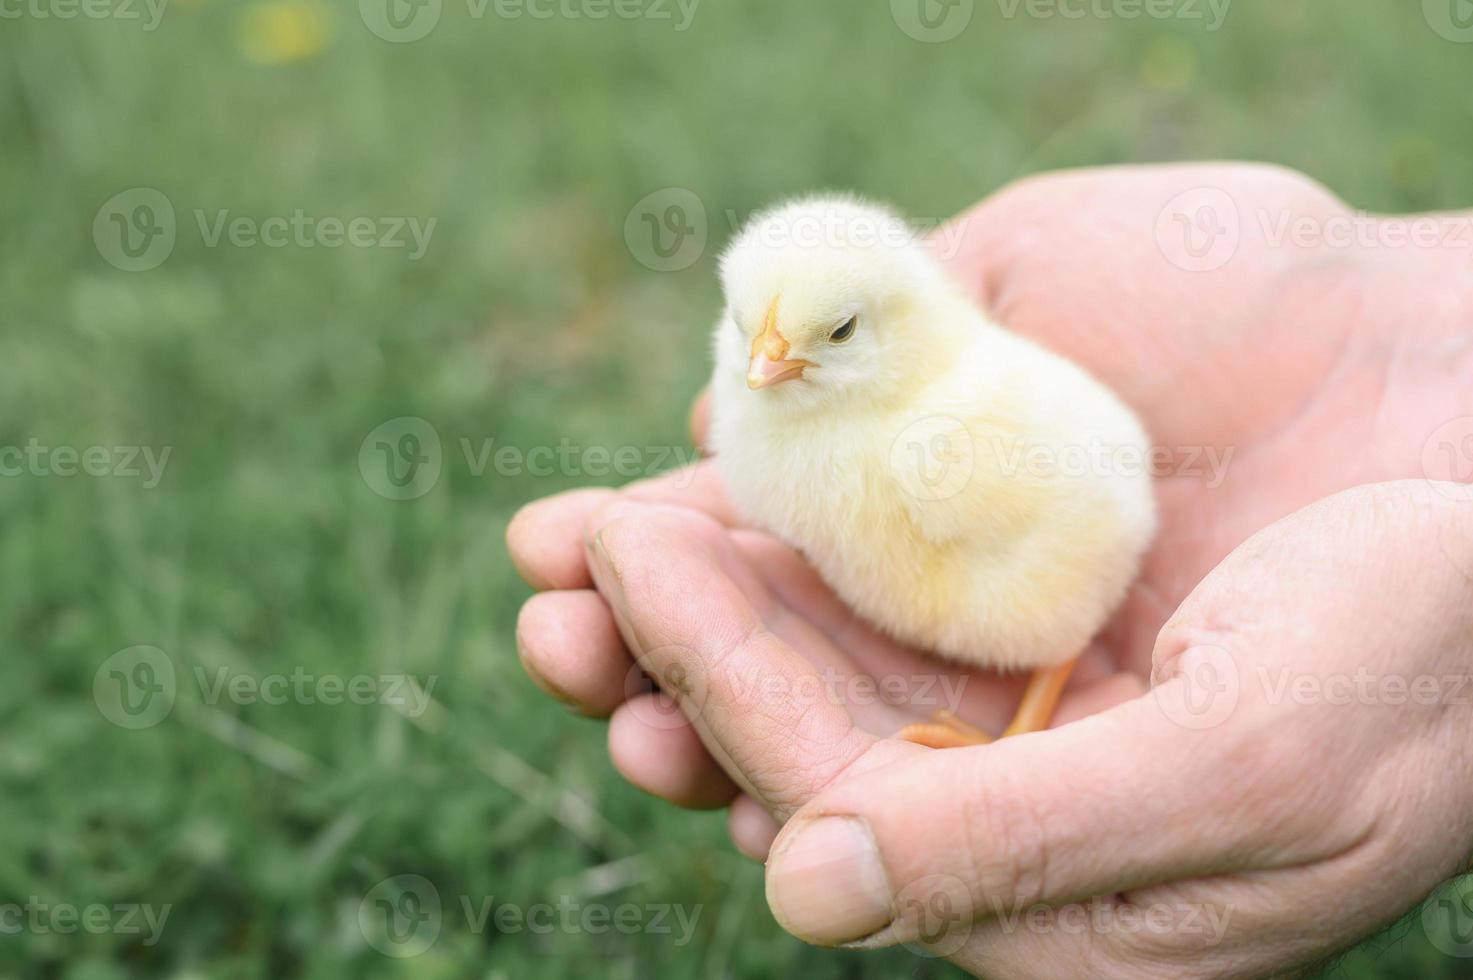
(528,321)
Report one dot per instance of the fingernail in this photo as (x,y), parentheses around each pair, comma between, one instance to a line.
(827,885)
(613,586)
(546,686)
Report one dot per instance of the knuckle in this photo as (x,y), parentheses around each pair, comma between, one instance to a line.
(1148,955)
(1006,844)
(1288,811)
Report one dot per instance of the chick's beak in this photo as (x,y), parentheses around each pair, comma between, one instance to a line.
(770,364)
(765,372)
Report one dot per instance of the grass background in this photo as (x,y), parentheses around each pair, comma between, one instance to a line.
(264,550)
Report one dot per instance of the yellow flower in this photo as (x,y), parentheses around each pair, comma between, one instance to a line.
(1169,64)
(277,32)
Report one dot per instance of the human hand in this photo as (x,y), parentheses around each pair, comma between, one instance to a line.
(1297,778)
(1073,260)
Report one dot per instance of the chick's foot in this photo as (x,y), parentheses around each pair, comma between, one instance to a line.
(1041,698)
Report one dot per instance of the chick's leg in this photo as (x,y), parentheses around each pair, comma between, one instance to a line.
(946,731)
(1040,699)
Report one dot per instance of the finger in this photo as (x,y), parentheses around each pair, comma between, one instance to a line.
(698,487)
(758,704)
(545,539)
(665,758)
(570,647)
(751,827)
(1113,802)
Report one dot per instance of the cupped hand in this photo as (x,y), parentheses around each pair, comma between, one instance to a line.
(1283,375)
(1298,776)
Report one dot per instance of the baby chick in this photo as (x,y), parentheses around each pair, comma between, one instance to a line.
(964,490)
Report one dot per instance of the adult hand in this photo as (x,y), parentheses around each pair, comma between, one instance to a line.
(1299,776)
(1291,372)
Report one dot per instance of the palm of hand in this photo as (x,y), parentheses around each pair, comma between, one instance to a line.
(1202,357)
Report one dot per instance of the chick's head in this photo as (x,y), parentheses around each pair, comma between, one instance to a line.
(827,297)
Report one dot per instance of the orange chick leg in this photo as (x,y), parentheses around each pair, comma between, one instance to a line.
(946,731)
(1040,699)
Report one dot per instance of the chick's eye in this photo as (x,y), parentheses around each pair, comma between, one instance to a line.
(844,332)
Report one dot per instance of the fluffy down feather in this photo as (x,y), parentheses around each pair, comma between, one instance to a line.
(961,488)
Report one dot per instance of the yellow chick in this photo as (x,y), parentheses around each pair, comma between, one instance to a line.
(961,488)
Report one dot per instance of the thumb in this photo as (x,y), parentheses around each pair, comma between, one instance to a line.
(1117,801)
